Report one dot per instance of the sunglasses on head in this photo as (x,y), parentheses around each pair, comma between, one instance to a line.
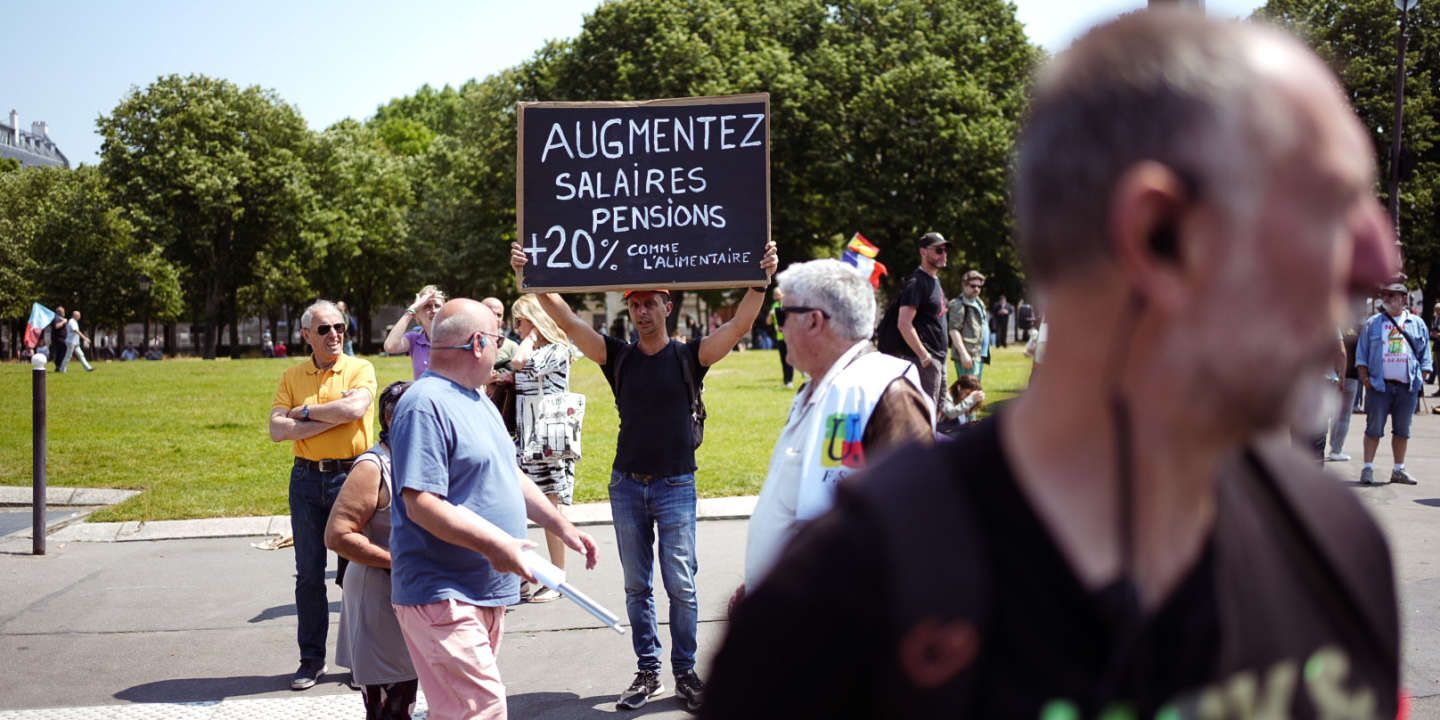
(476,341)
(324,330)
(782,312)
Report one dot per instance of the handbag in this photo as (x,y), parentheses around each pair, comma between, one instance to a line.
(555,434)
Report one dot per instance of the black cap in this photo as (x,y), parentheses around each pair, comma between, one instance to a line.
(931,239)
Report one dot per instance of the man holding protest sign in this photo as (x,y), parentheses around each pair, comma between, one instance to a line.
(657,384)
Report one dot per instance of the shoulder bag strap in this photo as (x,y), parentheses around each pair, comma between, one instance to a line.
(1414,349)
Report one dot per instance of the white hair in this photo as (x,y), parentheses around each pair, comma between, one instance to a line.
(836,288)
(309,313)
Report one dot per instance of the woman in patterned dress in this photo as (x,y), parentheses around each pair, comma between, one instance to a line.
(542,367)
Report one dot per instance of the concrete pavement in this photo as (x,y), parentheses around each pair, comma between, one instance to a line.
(204,627)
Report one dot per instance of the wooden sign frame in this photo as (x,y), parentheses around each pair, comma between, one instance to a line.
(703,101)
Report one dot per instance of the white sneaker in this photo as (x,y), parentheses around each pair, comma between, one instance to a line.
(1338,457)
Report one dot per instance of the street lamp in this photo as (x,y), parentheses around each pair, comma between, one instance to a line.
(1404,6)
(144,284)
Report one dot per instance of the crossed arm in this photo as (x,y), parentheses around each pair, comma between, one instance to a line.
(286,424)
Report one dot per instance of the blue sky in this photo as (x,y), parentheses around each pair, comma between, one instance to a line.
(72,61)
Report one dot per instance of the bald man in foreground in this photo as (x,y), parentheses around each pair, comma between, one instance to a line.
(1194,200)
(453,572)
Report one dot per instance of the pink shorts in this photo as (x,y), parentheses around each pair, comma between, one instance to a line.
(454,645)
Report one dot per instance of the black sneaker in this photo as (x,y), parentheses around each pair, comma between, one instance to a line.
(647,685)
(690,689)
(309,672)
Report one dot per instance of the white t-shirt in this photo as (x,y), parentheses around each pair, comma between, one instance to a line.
(1397,350)
(73,337)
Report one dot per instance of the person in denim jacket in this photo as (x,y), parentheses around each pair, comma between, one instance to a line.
(1392,359)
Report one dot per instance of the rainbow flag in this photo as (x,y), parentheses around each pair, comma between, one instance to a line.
(860,245)
(40,317)
(861,253)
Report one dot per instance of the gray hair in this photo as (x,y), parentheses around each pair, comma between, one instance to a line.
(309,313)
(836,288)
(1167,86)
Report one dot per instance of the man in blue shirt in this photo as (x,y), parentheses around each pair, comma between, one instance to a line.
(459,519)
(1392,358)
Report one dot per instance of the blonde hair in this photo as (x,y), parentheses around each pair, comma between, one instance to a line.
(528,308)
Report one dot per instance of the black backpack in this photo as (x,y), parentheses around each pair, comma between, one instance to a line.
(887,336)
(692,388)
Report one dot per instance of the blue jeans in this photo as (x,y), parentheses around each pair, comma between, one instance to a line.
(638,509)
(1341,424)
(1397,403)
(311,494)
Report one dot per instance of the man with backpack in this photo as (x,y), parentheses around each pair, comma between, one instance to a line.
(657,383)
(970,327)
(1128,538)
(914,325)
(1392,358)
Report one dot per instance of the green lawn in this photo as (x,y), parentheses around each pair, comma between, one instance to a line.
(192,434)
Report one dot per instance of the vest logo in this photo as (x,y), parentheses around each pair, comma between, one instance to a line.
(1323,678)
(842,442)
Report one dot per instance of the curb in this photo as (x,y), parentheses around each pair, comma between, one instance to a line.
(75,530)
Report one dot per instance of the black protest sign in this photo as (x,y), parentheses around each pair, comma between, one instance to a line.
(628,195)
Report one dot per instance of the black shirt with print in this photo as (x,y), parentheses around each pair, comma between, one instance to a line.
(923,293)
(1289,609)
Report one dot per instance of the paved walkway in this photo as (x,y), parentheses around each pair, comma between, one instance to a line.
(103,627)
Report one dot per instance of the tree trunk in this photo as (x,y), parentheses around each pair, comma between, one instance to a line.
(214,297)
(1432,293)
(363,306)
(677,298)
(233,310)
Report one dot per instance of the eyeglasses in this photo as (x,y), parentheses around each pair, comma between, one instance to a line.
(782,312)
(471,346)
(338,328)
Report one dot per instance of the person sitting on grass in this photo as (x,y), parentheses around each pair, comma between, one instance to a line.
(961,405)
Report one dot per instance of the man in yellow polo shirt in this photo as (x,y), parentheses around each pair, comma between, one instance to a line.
(324,406)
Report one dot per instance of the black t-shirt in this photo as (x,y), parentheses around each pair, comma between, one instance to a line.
(654,407)
(1290,606)
(923,293)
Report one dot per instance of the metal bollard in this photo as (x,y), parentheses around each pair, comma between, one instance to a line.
(37,533)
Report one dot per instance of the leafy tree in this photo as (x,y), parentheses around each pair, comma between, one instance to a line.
(441,111)
(1358,39)
(212,173)
(364,195)
(79,251)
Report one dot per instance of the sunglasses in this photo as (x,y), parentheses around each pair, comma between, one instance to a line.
(784,312)
(944,249)
(477,341)
(324,330)
(977,286)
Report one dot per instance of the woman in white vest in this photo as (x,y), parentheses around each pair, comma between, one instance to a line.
(857,405)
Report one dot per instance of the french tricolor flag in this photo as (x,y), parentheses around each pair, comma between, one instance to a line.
(861,254)
(40,317)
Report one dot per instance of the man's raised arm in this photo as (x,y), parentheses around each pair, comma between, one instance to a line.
(584,337)
(717,345)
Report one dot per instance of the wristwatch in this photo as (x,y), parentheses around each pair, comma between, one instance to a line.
(304,412)
(410,312)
